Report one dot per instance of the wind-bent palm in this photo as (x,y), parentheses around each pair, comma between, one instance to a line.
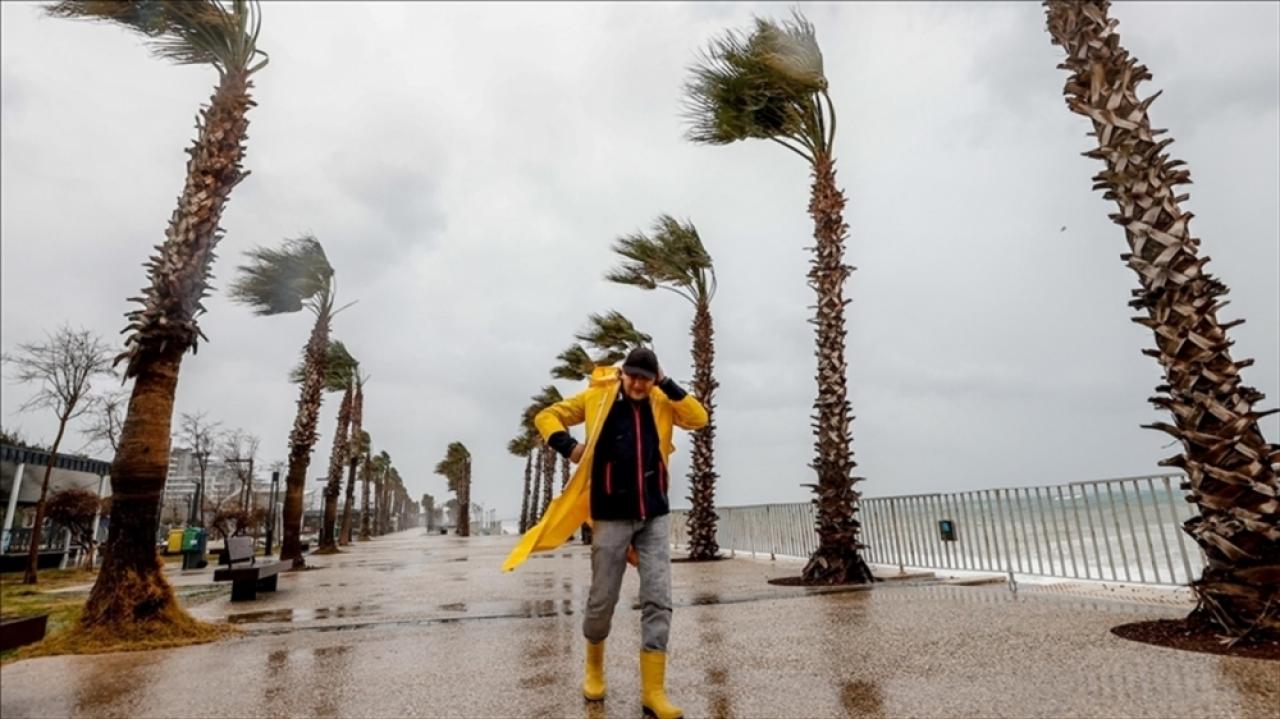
(130,595)
(1231,469)
(357,451)
(375,468)
(524,446)
(770,85)
(612,336)
(548,396)
(340,374)
(456,468)
(279,281)
(674,259)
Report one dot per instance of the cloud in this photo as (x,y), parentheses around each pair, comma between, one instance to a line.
(468,166)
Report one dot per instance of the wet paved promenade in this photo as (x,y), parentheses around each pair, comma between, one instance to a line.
(415,625)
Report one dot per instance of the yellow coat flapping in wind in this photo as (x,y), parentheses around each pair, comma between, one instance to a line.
(572,508)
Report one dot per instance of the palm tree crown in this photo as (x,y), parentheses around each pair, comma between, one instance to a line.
(768,85)
(191,32)
(673,259)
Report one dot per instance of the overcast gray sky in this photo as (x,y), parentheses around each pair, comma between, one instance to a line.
(467,167)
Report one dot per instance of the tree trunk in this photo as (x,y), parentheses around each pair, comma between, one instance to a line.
(303,438)
(33,552)
(1232,471)
(702,517)
(365,519)
(524,505)
(535,494)
(332,490)
(357,426)
(130,592)
(131,589)
(548,477)
(836,560)
(464,502)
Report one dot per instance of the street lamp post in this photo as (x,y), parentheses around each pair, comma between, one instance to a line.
(271,509)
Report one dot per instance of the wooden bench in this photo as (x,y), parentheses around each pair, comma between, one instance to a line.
(246,574)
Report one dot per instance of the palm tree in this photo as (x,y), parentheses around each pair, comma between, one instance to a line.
(374,467)
(612,336)
(358,451)
(456,468)
(1231,469)
(523,446)
(340,372)
(545,398)
(674,259)
(131,596)
(286,280)
(770,85)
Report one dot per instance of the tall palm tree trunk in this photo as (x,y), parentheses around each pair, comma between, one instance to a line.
(137,591)
(702,517)
(357,427)
(1231,469)
(33,551)
(344,531)
(836,559)
(464,499)
(548,477)
(337,459)
(524,504)
(535,494)
(303,438)
(131,588)
(365,509)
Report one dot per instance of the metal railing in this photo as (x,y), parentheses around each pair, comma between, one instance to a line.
(1126,530)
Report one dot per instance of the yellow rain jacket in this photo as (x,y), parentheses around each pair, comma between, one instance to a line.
(572,508)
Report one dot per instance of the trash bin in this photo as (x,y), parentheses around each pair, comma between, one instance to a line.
(174,545)
(193,548)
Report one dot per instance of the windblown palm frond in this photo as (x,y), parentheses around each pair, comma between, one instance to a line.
(767,85)
(575,364)
(278,281)
(672,258)
(340,369)
(186,32)
(612,335)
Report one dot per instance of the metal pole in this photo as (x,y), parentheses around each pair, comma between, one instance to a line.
(271,510)
(1146,530)
(1160,527)
(1179,532)
(1115,520)
(1066,525)
(12,508)
(1084,494)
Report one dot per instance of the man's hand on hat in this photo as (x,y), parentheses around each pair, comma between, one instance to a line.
(575,455)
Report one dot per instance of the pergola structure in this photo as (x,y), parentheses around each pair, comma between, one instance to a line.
(28,465)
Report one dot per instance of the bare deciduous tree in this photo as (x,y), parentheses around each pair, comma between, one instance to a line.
(63,366)
(200,436)
(106,420)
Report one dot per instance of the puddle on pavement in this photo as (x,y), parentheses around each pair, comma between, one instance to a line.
(302,615)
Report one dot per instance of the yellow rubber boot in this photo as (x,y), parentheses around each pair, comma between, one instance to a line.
(593,683)
(653,678)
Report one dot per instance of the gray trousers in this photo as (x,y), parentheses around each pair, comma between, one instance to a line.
(609,542)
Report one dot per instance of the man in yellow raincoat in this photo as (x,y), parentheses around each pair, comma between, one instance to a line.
(621,486)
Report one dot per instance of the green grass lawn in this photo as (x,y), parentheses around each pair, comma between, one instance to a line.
(25,600)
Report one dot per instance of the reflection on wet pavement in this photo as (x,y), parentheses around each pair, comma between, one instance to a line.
(439,637)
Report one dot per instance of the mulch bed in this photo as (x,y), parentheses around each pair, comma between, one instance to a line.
(1196,637)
